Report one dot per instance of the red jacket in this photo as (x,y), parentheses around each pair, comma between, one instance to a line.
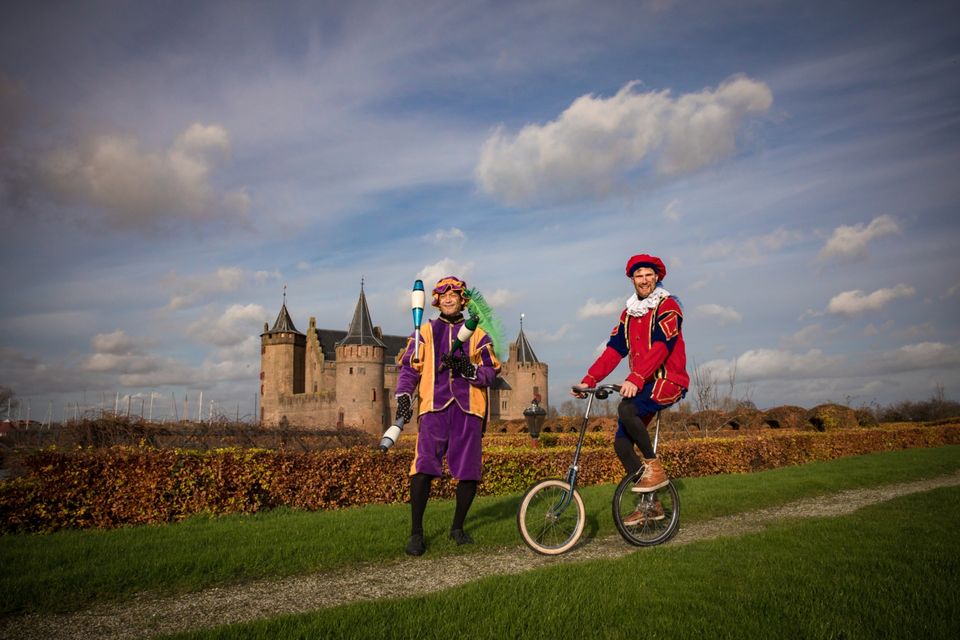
(653,342)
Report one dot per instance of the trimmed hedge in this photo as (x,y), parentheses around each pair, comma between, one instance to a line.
(138,485)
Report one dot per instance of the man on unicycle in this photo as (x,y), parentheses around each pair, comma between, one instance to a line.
(649,332)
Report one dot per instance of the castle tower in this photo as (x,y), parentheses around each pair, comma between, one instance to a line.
(360,373)
(527,377)
(282,350)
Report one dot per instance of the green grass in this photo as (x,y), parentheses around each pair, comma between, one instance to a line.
(891,570)
(72,569)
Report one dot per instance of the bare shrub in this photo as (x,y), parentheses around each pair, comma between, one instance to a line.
(937,407)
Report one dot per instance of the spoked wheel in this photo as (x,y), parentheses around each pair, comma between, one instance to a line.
(551,518)
(652,518)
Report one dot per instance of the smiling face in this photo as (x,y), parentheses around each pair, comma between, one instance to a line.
(644,281)
(451,303)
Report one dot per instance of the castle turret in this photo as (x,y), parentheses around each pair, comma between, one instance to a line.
(360,373)
(527,377)
(282,350)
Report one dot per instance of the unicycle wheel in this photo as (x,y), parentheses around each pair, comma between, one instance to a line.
(646,519)
(551,517)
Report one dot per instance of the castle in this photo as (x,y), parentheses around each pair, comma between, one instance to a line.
(328,378)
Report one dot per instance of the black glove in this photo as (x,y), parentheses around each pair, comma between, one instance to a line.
(461,365)
(404,410)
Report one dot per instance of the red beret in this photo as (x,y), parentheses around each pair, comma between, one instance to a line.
(651,262)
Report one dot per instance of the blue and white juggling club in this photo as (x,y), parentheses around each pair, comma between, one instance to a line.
(417,298)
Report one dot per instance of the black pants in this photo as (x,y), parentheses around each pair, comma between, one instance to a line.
(636,428)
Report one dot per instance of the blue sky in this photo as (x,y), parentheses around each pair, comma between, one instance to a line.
(166,168)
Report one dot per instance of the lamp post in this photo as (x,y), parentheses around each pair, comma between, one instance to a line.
(534,415)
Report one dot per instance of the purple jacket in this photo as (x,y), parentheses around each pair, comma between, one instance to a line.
(438,388)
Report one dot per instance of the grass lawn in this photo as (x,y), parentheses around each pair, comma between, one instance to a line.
(891,570)
(72,569)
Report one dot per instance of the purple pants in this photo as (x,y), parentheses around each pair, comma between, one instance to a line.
(453,433)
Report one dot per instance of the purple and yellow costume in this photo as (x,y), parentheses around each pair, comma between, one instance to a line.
(452,408)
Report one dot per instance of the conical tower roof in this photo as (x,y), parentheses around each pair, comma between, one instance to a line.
(284,322)
(360,330)
(525,352)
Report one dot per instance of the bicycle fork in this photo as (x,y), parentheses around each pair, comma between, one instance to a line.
(575,465)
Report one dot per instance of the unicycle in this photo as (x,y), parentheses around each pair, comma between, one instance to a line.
(551,517)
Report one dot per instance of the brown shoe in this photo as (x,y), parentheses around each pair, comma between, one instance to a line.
(653,478)
(645,511)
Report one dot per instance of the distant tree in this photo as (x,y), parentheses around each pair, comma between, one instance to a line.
(570,408)
(936,408)
(8,402)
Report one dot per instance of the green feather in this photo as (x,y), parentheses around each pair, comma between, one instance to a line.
(481,309)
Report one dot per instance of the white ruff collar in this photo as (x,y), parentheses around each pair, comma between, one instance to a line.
(638,308)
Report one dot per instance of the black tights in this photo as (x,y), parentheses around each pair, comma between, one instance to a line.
(636,428)
(420,493)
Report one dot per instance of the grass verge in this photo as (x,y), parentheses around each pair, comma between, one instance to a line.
(72,569)
(868,575)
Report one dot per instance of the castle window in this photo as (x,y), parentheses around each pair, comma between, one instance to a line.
(361,370)
(504,407)
(262,374)
(263,350)
(314,387)
(373,393)
(351,370)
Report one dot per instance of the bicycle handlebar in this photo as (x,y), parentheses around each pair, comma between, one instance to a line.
(601,392)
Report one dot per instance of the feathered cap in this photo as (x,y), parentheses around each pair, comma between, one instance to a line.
(450,283)
(651,262)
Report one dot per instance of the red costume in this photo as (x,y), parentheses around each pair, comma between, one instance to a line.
(656,349)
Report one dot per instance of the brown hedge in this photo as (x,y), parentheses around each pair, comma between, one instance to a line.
(120,486)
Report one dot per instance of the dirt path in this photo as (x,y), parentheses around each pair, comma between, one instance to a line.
(146,616)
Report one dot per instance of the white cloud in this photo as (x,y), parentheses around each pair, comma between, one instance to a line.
(445,236)
(851,303)
(499,297)
(120,363)
(805,337)
(600,348)
(116,343)
(169,372)
(720,314)
(233,326)
(952,291)
(594,309)
(28,375)
(193,289)
(851,241)
(262,276)
(549,336)
(753,247)
(138,189)
(811,335)
(597,143)
(923,355)
(431,273)
(764,364)
(119,354)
